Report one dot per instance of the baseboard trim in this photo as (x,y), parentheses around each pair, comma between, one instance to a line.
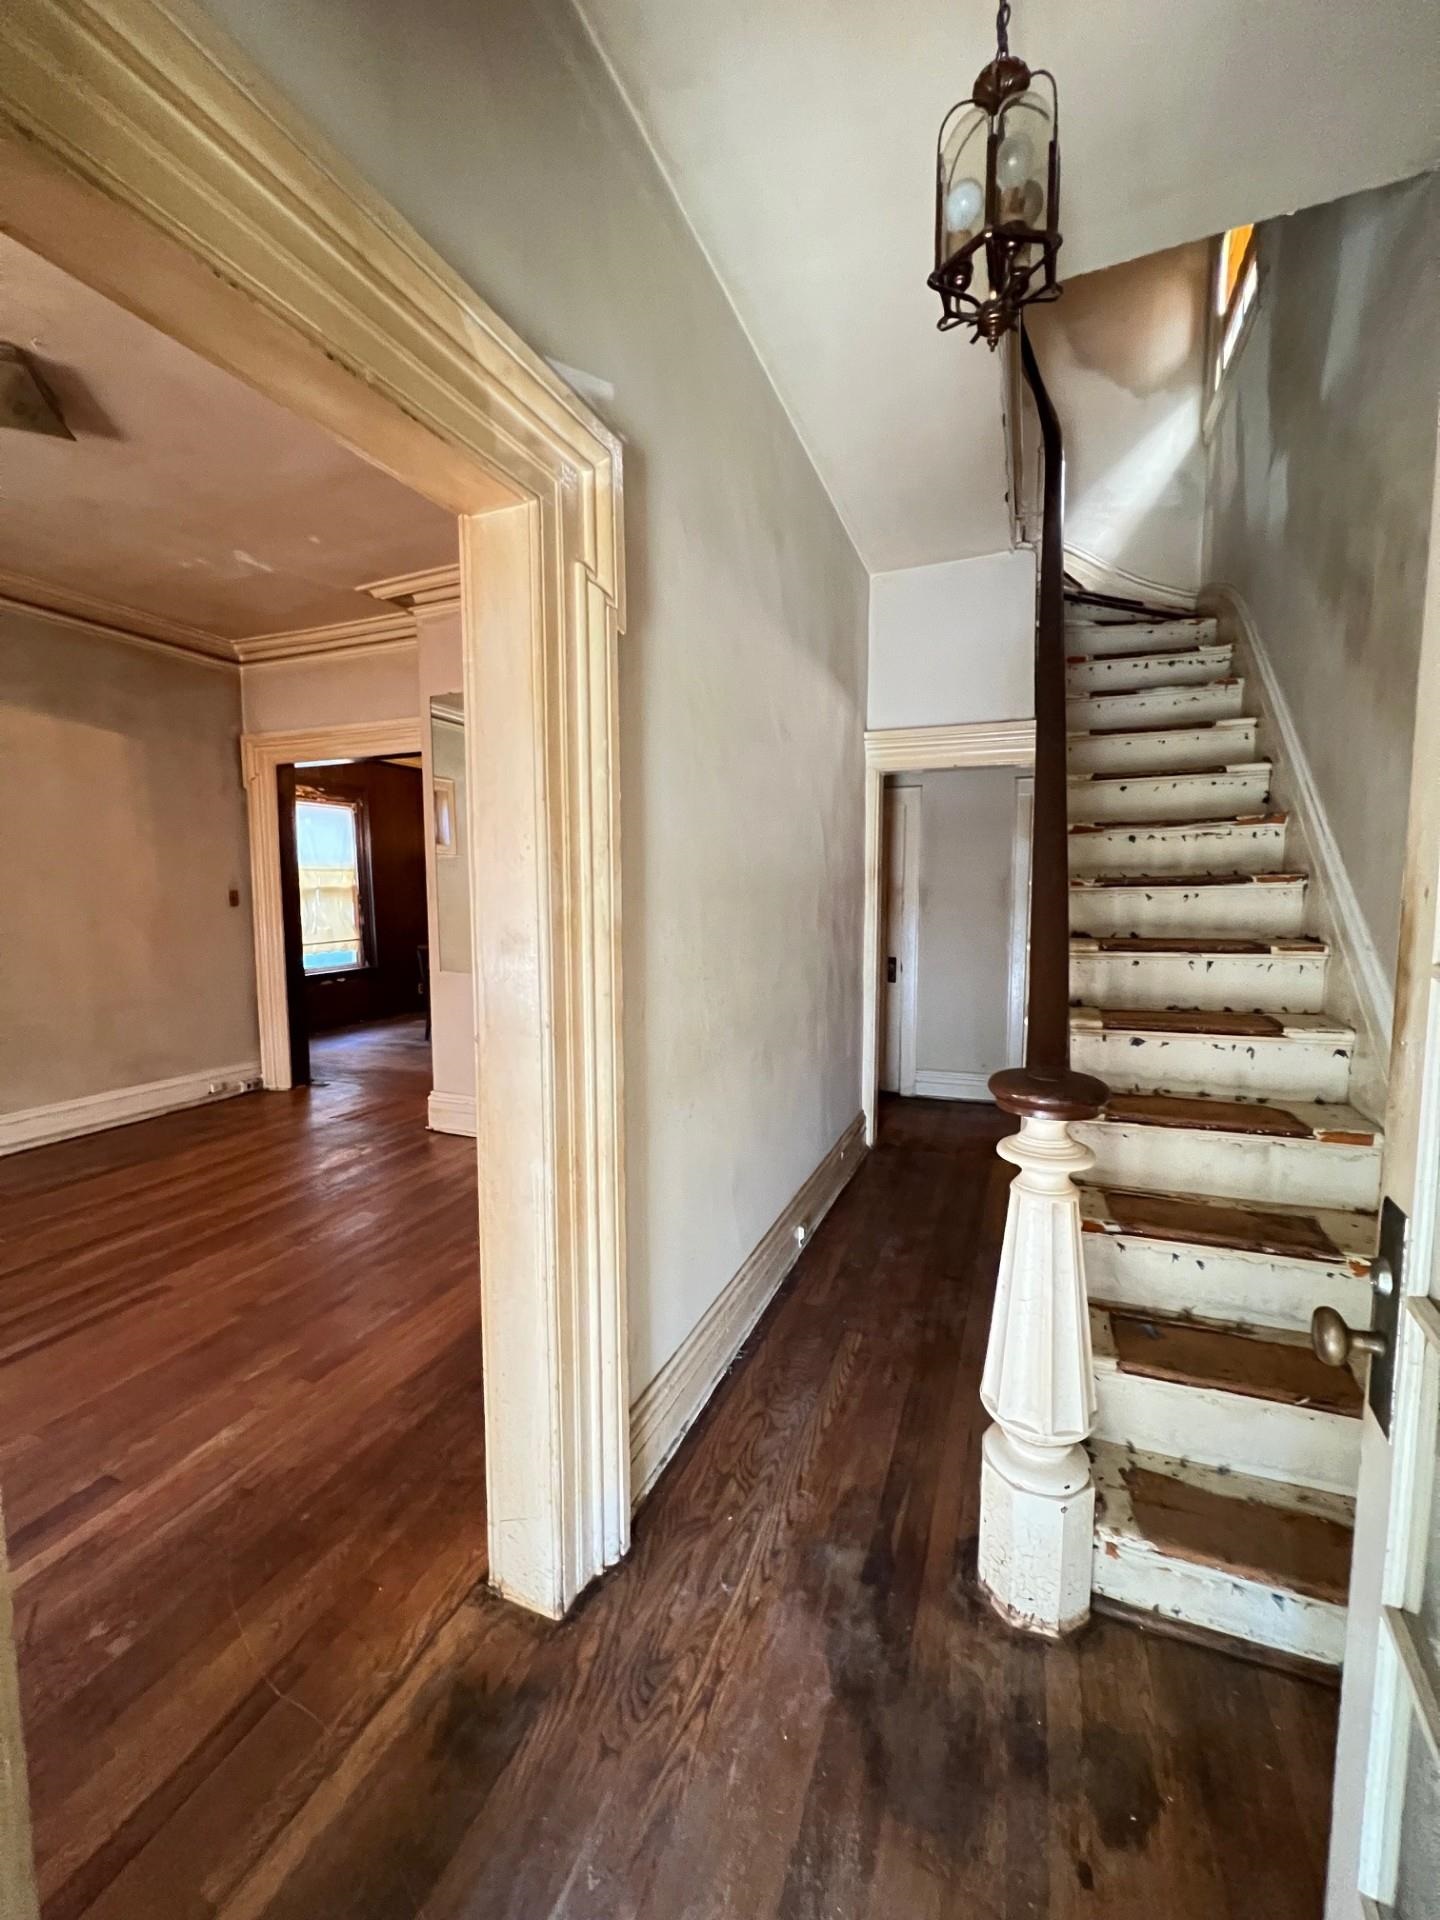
(94,1112)
(1098,576)
(675,1398)
(932,1084)
(451,1113)
(1353,935)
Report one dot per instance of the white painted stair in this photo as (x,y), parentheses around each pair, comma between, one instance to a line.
(1235,1187)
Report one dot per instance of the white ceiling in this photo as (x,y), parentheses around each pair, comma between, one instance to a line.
(800,141)
(185,496)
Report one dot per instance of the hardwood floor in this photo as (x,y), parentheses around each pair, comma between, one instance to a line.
(262,1683)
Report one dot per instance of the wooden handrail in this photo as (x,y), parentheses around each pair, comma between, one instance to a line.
(1046,1084)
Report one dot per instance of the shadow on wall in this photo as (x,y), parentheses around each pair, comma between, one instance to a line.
(1123,354)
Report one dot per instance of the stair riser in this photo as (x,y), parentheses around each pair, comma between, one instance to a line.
(1149,670)
(1223,745)
(1231,848)
(1217,1283)
(1273,910)
(1156,707)
(1137,636)
(1238,1166)
(1196,796)
(1218,1601)
(1267,982)
(1270,1439)
(1193,1063)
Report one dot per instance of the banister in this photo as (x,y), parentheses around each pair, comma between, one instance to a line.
(1047,1085)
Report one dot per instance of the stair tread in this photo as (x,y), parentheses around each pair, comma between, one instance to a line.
(1194,650)
(1273,878)
(1296,947)
(1233,722)
(1215,1023)
(1331,1123)
(1233,1522)
(1260,1366)
(1275,1229)
(1221,823)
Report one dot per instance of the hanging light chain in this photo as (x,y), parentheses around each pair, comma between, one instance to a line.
(1002,27)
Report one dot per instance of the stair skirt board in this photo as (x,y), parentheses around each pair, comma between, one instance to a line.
(1294,1064)
(1272,979)
(1242,1166)
(1094,637)
(1242,1603)
(1216,1427)
(1202,793)
(1253,844)
(1126,673)
(1215,743)
(1220,699)
(1264,906)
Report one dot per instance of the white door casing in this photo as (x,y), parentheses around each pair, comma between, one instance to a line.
(902,935)
(1385,1838)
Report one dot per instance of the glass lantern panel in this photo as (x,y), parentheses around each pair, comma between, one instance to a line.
(962,174)
(1022,162)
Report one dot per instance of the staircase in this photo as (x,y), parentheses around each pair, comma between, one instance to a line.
(1234,1188)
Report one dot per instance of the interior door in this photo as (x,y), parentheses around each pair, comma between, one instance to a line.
(297,1016)
(1385,1834)
(900,955)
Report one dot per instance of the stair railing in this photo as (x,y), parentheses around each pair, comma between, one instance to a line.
(1037,1503)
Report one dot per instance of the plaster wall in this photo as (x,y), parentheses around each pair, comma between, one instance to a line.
(1321,469)
(499,132)
(953,642)
(122,832)
(1123,354)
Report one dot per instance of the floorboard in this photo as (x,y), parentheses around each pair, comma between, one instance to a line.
(263,1678)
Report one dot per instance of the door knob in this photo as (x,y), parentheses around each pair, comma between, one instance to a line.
(1334,1342)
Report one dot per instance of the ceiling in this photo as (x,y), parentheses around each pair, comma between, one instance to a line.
(187,506)
(800,141)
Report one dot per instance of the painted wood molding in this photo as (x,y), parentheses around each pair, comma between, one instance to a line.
(1356,944)
(1101,576)
(451,1113)
(36,600)
(379,630)
(934,1083)
(67,1119)
(967,743)
(432,587)
(664,1413)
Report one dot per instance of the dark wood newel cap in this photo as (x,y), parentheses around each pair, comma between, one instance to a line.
(1049,1096)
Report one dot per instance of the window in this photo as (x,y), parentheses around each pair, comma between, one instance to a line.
(327,852)
(1237,279)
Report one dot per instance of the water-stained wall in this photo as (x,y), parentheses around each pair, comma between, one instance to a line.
(1321,466)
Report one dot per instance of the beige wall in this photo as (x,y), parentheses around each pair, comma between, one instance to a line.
(1321,469)
(122,829)
(967,832)
(498,132)
(1123,354)
(953,642)
(341,691)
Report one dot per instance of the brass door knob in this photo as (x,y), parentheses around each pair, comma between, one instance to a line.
(1334,1342)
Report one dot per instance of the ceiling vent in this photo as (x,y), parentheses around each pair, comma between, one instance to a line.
(26,403)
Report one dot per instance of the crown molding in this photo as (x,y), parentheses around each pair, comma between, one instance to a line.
(431,587)
(68,607)
(341,636)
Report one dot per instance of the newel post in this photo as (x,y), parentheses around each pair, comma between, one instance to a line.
(1037,1498)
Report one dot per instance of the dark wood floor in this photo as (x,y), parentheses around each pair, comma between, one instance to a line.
(262,1683)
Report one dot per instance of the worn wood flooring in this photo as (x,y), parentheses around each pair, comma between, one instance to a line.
(242,1459)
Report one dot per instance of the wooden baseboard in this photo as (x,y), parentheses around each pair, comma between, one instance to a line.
(932,1084)
(674,1399)
(67,1119)
(451,1113)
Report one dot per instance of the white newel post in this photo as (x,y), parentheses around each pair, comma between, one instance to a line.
(1037,1499)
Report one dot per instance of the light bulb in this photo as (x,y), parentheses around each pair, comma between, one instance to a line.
(1015,161)
(964,204)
